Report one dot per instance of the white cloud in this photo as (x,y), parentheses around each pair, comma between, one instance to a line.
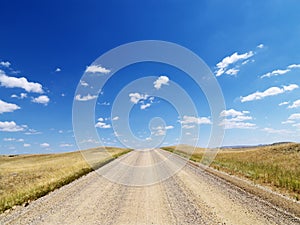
(104,103)
(186,126)
(281,71)
(283,103)
(275,73)
(169,127)
(7,107)
(115,118)
(275,131)
(43,99)
(195,120)
(9,139)
(96,69)
(22,82)
(260,46)
(246,61)
(32,132)
(102,125)
(26,145)
(57,69)
(160,131)
(269,92)
(233,113)
(45,145)
(5,64)
(144,106)
(295,104)
(294,66)
(10,126)
(22,95)
(13,139)
(85,98)
(288,122)
(65,145)
(295,116)
(136,97)
(228,124)
(290,87)
(232,71)
(83,83)
(296,125)
(162,80)
(229,60)
(236,120)
(101,119)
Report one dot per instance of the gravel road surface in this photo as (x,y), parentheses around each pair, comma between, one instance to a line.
(190,196)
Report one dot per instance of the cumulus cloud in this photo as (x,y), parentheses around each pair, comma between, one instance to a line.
(260,46)
(43,99)
(297,125)
(294,66)
(32,132)
(57,69)
(45,145)
(26,145)
(233,113)
(104,103)
(102,124)
(5,64)
(232,71)
(269,92)
(22,95)
(144,106)
(194,120)
(160,130)
(7,107)
(11,126)
(236,119)
(186,126)
(115,118)
(85,98)
(229,60)
(295,116)
(283,103)
(281,71)
(162,80)
(136,97)
(96,69)
(275,73)
(22,82)
(83,83)
(295,104)
(292,119)
(13,139)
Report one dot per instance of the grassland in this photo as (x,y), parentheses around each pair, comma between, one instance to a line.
(276,166)
(25,178)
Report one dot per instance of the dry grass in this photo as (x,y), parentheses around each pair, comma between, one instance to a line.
(276,166)
(27,177)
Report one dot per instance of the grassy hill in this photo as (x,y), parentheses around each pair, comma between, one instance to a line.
(276,166)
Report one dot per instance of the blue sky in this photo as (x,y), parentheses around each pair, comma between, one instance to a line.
(252,47)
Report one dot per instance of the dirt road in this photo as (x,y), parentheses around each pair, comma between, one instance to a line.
(191,196)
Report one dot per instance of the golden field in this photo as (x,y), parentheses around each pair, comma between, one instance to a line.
(276,166)
(24,178)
